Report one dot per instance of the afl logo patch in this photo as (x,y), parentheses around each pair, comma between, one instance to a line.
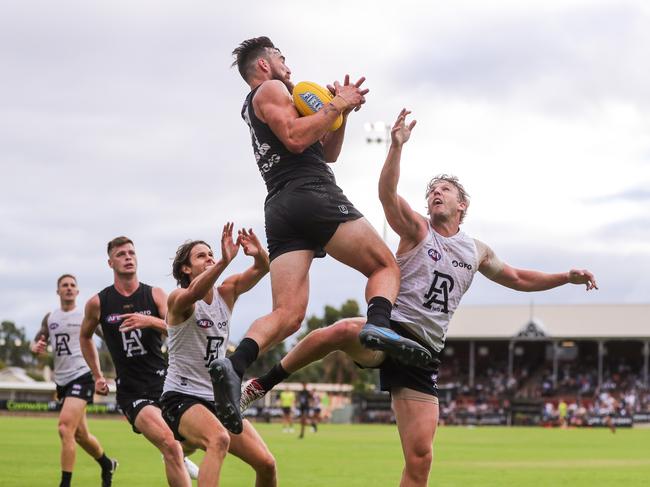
(205,323)
(114,318)
(434,254)
(54,326)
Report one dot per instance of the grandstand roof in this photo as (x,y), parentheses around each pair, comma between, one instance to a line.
(599,321)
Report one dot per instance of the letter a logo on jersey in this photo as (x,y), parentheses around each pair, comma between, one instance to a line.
(131,340)
(62,347)
(439,291)
(212,349)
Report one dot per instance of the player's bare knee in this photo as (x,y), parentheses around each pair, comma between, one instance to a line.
(218,441)
(418,462)
(66,431)
(342,332)
(266,467)
(169,447)
(294,321)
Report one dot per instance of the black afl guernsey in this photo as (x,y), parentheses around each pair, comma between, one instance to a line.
(276,164)
(137,356)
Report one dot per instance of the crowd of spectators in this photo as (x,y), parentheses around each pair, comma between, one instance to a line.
(621,393)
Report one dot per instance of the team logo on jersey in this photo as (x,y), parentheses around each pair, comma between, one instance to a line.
(437,297)
(54,326)
(343,209)
(462,265)
(205,323)
(434,254)
(113,318)
(132,343)
(61,341)
(212,349)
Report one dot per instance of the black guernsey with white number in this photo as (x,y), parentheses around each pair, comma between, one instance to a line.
(304,206)
(137,354)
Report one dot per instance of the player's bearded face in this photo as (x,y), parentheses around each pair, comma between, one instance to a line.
(444,201)
(279,70)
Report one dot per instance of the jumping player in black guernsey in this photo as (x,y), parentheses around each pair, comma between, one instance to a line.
(74,382)
(131,317)
(306,215)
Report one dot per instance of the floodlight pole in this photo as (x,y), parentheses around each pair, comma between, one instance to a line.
(377,133)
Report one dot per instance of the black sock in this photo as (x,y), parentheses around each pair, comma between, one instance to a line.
(244,355)
(274,376)
(379,309)
(66,478)
(104,462)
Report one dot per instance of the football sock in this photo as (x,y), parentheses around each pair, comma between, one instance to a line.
(66,477)
(104,462)
(379,309)
(274,376)
(244,355)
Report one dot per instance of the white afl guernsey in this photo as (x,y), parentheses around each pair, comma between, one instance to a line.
(63,328)
(194,344)
(435,275)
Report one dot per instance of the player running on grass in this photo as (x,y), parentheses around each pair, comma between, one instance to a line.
(74,382)
(199,324)
(438,262)
(306,215)
(131,317)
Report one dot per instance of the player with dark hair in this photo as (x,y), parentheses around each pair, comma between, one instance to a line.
(306,215)
(74,382)
(199,326)
(131,317)
(437,262)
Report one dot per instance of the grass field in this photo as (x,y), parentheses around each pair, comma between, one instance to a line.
(351,456)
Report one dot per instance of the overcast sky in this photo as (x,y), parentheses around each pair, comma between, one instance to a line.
(122,117)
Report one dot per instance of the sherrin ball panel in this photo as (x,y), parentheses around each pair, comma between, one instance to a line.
(310,97)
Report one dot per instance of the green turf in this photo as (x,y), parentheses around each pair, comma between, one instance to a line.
(352,456)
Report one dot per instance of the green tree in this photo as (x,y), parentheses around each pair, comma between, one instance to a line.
(14,345)
(337,367)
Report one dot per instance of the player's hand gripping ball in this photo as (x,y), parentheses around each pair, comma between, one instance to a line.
(309,98)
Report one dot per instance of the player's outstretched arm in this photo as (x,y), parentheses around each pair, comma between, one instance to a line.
(134,321)
(273,105)
(238,284)
(181,301)
(88,348)
(39,345)
(406,222)
(333,141)
(529,280)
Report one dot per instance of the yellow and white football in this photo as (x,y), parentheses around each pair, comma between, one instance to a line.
(309,98)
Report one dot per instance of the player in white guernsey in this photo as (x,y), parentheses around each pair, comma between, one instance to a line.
(437,262)
(198,320)
(74,382)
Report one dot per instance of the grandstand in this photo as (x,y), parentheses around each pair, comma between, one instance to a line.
(518,362)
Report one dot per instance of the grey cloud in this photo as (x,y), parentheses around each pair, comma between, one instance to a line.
(626,231)
(560,60)
(633,195)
